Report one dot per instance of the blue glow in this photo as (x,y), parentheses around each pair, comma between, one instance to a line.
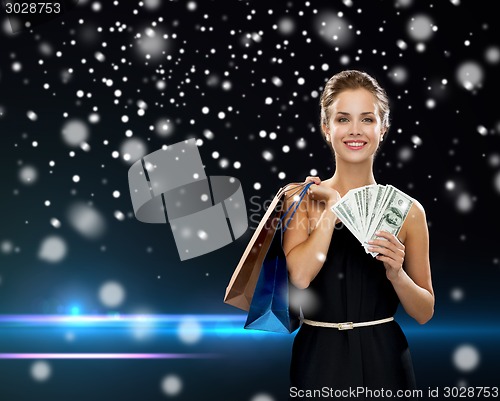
(104,356)
(222,325)
(110,334)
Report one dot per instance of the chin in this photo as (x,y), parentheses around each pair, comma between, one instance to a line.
(355,159)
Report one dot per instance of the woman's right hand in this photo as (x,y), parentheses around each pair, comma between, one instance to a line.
(320,192)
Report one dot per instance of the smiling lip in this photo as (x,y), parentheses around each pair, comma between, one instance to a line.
(355,145)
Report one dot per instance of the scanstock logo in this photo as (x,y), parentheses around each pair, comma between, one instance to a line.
(205,213)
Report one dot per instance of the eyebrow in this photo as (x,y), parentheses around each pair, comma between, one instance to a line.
(348,114)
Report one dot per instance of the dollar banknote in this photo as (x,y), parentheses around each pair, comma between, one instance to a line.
(372,208)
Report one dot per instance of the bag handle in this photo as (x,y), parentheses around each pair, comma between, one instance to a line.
(295,187)
(295,204)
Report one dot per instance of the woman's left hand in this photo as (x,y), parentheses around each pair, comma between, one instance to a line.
(391,252)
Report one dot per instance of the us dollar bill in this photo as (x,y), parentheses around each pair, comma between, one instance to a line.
(372,208)
(393,213)
(377,197)
(344,212)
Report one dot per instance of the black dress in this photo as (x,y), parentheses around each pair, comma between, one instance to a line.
(350,287)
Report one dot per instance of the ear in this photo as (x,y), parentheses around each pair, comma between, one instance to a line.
(326,131)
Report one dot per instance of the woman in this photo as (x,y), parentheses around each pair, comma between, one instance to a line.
(339,280)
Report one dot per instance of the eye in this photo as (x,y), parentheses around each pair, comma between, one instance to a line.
(368,120)
(343,119)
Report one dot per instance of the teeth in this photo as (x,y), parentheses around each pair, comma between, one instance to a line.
(355,143)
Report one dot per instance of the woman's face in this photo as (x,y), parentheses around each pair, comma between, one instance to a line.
(354,127)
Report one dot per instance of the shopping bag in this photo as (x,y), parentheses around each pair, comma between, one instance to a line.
(240,289)
(270,305)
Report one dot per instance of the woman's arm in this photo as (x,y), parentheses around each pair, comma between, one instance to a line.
(306,251)
(413,284)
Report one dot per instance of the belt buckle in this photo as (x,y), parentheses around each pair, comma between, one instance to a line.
(345,326)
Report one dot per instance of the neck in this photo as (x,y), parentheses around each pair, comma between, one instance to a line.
(352,175)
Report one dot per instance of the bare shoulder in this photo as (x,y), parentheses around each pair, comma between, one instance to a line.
(416,211)
(416,221)
(291,193)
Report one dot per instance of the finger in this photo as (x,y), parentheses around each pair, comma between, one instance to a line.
(383,258)
(380,250)
(383,234)
(387,260)
(314,179)
(384,243)
(389,237)
(392,253)
(396,258)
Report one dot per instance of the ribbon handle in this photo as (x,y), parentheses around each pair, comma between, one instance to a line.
(295,205)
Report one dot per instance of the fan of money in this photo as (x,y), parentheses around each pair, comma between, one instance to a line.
(371,208)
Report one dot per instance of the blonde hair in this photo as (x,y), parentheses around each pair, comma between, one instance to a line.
(349,80)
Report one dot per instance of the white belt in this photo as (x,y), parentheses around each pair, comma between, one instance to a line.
(346,325)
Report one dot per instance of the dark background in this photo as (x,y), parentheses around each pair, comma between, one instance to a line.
(443,149)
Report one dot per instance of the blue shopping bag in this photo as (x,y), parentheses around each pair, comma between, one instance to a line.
(270,306)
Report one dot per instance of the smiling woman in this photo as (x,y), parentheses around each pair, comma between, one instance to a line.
(348,338)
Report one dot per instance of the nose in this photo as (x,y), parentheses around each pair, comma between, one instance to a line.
(355,128)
